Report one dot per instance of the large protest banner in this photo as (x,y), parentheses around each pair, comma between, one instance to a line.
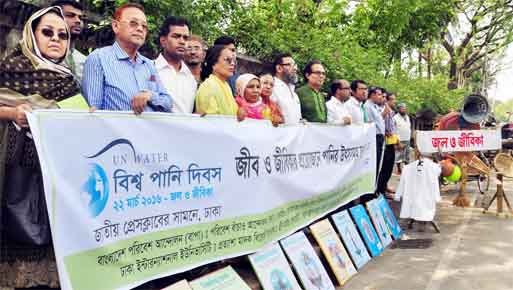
(133,198)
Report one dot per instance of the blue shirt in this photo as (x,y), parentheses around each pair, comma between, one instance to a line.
(112,79)
(374,114)
(232,81)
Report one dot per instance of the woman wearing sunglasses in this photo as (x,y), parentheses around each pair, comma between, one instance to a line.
(32,77)
(214,95)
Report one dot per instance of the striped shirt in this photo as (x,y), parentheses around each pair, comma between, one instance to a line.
(374,113)
(390,127)
(112,79)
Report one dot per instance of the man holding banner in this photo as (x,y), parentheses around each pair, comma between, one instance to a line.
(118,77)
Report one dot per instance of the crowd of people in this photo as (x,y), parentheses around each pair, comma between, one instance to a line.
(186,77)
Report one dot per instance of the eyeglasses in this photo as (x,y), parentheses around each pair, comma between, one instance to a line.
(230,60)
(50,33)
(319,73)
(194,48)
(134,25)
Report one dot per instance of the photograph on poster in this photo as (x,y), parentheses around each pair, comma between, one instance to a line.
(364,224)
(351,238)
(333,250)
(273,270)
(379,222)
(390,218)
(307,264)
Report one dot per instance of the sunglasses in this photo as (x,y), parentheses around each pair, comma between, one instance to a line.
(134,25)
(50,33)
(230,60)
(319,73)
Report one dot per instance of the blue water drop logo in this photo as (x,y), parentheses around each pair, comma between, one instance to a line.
(96,190)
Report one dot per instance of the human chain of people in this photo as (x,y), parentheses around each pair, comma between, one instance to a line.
(189,76)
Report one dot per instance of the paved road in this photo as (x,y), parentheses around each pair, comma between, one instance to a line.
(473,251)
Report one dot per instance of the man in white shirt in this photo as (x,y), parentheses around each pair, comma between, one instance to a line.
(337,112)
(403,125)
(355,104)
(174,73)
(285,76)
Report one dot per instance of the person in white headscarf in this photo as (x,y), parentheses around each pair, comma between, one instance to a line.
(248,98)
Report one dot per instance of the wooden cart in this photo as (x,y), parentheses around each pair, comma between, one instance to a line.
(472,168)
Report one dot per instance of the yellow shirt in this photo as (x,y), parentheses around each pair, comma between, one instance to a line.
(215,97)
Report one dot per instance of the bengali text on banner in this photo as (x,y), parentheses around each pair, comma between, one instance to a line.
(458,141)
(134,198)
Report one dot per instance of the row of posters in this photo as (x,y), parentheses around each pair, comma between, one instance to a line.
(365,235)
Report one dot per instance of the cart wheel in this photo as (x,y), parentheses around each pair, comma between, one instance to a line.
(483,183)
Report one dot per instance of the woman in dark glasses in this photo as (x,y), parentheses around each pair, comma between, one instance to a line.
(32,77)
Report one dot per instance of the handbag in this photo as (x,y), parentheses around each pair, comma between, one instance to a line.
(26,217)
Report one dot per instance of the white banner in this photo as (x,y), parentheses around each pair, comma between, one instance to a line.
(457,141)
(134,198)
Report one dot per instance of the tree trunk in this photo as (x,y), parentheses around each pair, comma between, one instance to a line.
(429,62)
(453,74)
(420,65)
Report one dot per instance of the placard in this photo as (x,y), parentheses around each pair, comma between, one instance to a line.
(223,279)
(180,285)
(273,270)
(379,222)
(457,141)
(309,268)
(390,218)
(351,238)
(366,229)
(333,250)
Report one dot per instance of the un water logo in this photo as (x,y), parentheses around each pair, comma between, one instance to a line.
(95,190)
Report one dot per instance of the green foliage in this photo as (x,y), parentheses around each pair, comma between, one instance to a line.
(208,18)
(395,25)
(501,110)
(309,31)
(419,93)
(362,42)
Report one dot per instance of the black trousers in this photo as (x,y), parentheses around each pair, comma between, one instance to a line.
(386,169)
(380,139)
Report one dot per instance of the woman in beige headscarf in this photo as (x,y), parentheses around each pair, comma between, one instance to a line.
(32,77)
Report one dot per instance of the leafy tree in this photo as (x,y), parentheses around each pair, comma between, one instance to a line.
(501,110)
(398,25)
(487,26)
(367,41)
